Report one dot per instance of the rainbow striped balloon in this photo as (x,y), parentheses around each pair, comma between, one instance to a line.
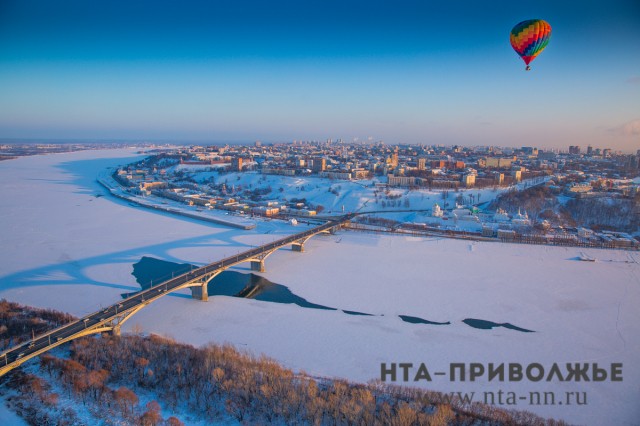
(529,38)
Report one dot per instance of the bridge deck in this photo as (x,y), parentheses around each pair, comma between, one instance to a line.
(111,317)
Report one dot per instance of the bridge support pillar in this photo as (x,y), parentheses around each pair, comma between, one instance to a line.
(115,331)
(200,292)
(299,247)
(257,265)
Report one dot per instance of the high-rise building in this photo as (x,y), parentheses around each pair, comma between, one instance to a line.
(422,163)
(236,164)
(319,164)
(574,149)
(631,162)
(394,157)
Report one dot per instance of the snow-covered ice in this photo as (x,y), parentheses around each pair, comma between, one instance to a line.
(66,248)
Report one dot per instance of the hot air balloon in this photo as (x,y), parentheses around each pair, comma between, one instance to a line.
(529,38)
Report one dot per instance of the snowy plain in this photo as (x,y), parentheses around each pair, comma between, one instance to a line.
(68,246)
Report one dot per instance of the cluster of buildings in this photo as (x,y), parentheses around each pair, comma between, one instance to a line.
(433,167)
(596,172)
(141,181)
(582,175)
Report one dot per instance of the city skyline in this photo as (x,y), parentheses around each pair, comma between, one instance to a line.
(402,73)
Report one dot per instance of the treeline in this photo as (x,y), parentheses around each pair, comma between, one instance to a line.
(218,382)
(533,200)
(18,324)
(377,221)
(108,379)
(69,395)
(618,214)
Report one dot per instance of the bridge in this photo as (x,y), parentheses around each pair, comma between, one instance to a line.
(113,317)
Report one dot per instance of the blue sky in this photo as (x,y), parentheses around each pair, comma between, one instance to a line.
(401,71)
